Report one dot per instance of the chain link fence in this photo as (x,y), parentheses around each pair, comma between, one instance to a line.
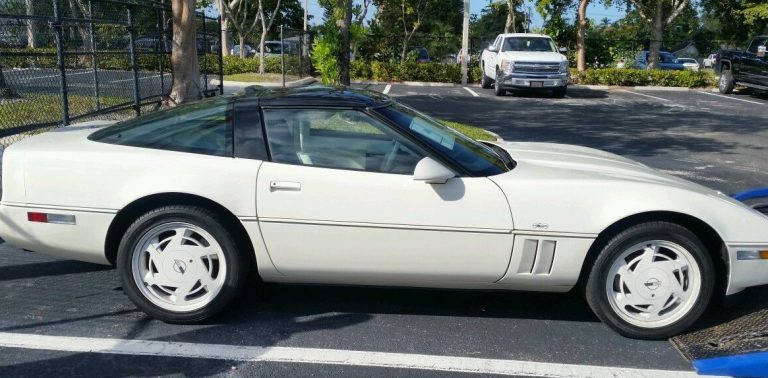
(295,58)
(65,61)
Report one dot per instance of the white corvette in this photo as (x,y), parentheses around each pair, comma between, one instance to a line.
(325,185)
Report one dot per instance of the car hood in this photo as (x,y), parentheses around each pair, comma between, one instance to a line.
(533,56)
(547,160)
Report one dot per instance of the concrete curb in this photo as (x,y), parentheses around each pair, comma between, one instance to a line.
(244,84)
(638,88)
(410,83)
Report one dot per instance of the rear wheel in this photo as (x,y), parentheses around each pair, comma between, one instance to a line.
(726,82)
(651,281)
(180,265)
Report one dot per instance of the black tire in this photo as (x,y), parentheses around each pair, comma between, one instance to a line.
(498,89)
(559,92)
(597,295)
(237,263)
(726,83)
(485,81)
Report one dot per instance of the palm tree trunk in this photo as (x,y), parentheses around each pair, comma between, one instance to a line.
(184,62)
(657,34)
(581,54)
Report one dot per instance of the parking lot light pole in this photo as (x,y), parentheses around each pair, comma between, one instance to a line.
(465,44)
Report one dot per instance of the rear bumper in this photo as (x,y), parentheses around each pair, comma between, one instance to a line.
(744,273)
(82,241)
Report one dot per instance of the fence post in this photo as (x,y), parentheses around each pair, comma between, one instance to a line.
(221,56)
(57,26)
(282,55)
(160,48)
(205,53)
(134,65)
(93,57)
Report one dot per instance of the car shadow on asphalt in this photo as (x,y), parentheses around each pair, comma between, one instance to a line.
(48,268)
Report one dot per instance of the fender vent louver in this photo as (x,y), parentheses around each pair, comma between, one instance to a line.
(537,256)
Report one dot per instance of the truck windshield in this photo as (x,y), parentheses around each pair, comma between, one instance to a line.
(529,44)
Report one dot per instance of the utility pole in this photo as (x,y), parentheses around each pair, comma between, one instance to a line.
(305,36)
(465,44)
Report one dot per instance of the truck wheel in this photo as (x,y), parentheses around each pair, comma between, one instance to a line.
(726,82)
(498,90)
(559,92)
(486,81)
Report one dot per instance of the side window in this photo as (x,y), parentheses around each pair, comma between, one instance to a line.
(497,43)
(338,138)
(201,127)
(755,44)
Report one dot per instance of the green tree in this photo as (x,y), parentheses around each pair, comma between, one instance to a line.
(735,22)
(659,14)
(492,21)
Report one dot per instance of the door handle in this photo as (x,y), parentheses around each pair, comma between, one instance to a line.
(284,185)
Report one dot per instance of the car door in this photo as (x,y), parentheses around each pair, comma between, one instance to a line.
(752,64)
(491,57)
(338,204)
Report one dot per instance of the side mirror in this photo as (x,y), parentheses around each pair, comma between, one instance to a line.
(493,48)
(563,50)
(432,172)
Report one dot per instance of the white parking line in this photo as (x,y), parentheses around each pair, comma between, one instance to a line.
(141,78)
(387,88)
(731,98)
(645,95)
(473,93)
(59,75)
(324,356)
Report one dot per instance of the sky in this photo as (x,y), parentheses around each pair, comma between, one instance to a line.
(595,11)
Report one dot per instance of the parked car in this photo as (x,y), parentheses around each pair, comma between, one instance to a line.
(667,61)
(709,62)
(689,64)
(521,61)
(340,186)
(748,68)
(249,51)
(422,55)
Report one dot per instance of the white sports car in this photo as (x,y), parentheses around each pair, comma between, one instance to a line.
(339,186)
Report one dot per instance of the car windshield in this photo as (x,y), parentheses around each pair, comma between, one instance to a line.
(529,44)
(475,157)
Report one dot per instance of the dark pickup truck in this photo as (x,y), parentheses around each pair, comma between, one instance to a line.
(748,68)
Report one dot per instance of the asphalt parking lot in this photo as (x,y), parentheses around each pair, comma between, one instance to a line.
(718,141)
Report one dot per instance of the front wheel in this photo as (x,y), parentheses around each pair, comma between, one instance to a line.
(498,89)
(559,92)
(180,265)
(726,82)
(651,281)
(485,81)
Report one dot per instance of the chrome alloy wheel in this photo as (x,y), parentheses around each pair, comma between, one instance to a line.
(653,284)
(178,266)
(723,82)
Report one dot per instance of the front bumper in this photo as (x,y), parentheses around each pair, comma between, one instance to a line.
(528,81)
(744,273)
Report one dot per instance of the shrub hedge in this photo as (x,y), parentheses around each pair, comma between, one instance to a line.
(46,58)
(411,71)
(637,77)
(236,65)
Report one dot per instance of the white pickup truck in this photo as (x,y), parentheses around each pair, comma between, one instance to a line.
(521,61)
